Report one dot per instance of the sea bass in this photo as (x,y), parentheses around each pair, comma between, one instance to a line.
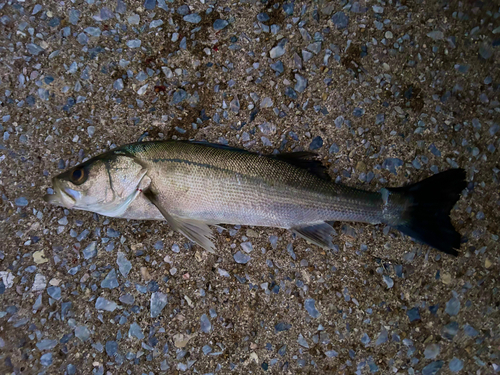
(192,185)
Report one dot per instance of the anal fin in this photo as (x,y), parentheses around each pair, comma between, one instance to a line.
(194,230)
(320,234)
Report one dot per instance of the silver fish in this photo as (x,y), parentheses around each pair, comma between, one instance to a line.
(192,185)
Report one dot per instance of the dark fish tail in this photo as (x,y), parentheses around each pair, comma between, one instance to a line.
(426,209)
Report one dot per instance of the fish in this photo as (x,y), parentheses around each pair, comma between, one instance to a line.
(193,185)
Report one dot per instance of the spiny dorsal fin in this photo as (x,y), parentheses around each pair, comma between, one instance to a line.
(302,159)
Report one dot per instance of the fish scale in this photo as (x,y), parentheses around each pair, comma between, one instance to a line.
(223,186)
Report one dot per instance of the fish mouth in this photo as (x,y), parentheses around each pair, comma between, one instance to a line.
(64,197)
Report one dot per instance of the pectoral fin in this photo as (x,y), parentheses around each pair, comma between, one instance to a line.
(194,230)
(320,234)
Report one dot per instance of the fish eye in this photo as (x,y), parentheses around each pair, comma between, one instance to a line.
(79,176)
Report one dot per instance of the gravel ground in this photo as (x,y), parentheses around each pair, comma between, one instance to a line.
(385,92)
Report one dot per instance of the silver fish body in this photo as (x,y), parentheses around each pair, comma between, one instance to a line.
(193,184)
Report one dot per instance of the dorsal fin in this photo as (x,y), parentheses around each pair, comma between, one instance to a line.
(302,159)
(299,159)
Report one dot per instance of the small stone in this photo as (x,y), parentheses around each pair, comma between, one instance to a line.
(450,330)
(436,35)
(432,351)
(124,264)
(487,263)
(456,365)
(220,24)
(470,331)
(134,19)
(378,9)
(39,257)
(192,18)
(314,47)
(135,331)
(389,282)
(90,251)
(302,341)
(316,143)
(241,258)
(179,96)
(82,332)
(118,84)
(134,43)
(46,359)
(54,292)
(382,338)
(301,84)
(46,344)
(235,105)
(432,368)
(341,20)
(452,306)
(389,35)
(149,4)
(277,51)
(309,305)
(111,348)
(110,281)
(205,324)
(158,302)
(262,17)
(266,103)
(127,299)
(365,339)
(103,304)
(39,284)
(21,202)
(282,326)
(413,314)
(277,67)
(291,93)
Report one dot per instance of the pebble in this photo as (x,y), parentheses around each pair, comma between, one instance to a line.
(389,281)
(54,292)
(46,344)
(277,51)
(452,306)
(90,251)
(456,365)
(301,84)
(110,281)
(135,331)
(413,314)
(111,348)
(103,304)
(432,368)
(241,258)
(382,338)
(310,307)
(205,324)
(266,103)
(124,265)
(282,326)
(316,143)
(220,24)
(134,43)
(46,359)
(158,302)
(432,351)
(21,202)
(340,20)
(82,333)
(436,35)
(192,18)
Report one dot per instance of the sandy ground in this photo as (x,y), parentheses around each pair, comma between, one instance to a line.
(386,93)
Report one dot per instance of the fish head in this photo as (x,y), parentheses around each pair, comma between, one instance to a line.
(106,184)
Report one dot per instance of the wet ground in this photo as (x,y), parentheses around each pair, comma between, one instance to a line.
(386,93)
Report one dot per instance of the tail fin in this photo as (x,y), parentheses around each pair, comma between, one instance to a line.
(428,205)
